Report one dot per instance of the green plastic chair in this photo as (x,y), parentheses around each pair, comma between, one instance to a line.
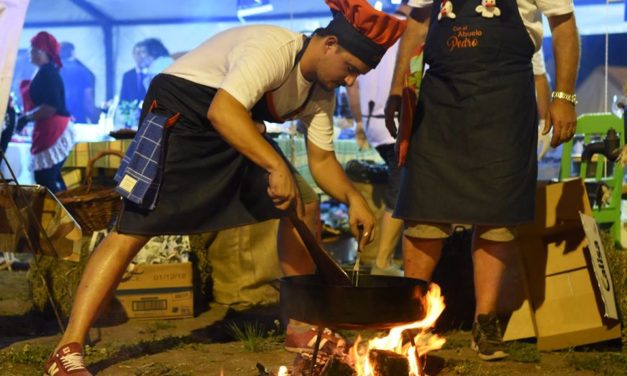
(594,127)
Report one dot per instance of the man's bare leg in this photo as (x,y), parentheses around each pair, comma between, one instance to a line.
(391,229)
(490,261)
(421,256)
(101,277)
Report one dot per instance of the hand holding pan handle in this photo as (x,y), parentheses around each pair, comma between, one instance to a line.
(330,271)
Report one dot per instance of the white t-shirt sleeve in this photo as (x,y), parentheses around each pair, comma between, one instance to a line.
(555,7)
(255,69)
(319,120)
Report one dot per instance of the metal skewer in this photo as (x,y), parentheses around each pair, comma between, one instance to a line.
(357,266)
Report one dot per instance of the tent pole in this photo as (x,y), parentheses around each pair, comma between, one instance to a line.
(107,29)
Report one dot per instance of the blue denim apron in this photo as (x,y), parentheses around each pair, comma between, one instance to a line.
(471,157)
(205,184)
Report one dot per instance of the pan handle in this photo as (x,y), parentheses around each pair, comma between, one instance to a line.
(330,271)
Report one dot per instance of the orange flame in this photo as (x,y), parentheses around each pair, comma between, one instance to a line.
(422,343)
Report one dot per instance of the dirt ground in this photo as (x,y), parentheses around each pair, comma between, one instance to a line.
(204,345)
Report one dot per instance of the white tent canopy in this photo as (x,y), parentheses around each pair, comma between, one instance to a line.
(104,31)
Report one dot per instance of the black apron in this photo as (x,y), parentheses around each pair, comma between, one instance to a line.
(472,156)
(207,185)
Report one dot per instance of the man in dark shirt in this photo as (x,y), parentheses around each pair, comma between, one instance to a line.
(133,81)
(79,84)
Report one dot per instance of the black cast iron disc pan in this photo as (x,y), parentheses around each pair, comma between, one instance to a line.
(379,302)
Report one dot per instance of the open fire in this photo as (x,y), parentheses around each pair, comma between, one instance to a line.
(412,341)
(402,352)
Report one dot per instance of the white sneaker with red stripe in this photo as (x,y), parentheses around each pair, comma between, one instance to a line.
(67,360)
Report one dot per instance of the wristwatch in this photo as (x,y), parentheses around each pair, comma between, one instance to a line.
(572,98)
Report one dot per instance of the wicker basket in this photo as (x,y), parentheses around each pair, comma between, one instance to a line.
(92,207)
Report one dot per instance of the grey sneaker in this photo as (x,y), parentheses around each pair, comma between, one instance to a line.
(392,271)
(487,340)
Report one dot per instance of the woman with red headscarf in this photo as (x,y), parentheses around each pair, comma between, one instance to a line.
(44,103)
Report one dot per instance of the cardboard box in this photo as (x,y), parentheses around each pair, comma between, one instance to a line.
(562,306)
(570,314)
(158,291)
(558,205)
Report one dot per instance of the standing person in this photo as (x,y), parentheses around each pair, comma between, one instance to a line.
(44,103)
(158,55)
(472,151)
(133,87)
(220,170)
(367,100)
(80,85)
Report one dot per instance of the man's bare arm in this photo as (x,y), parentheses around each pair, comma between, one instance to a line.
(414,35)
(232,121)
(561,115)
(331,178)
(543,94)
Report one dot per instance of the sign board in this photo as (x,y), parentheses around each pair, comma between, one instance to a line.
(600,265)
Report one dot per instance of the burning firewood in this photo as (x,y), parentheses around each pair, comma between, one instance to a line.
(336,366)
(302,363)
(388,363)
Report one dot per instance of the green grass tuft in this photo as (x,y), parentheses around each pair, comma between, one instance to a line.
(27,354)
(252,336)
(523,352)
(255,337)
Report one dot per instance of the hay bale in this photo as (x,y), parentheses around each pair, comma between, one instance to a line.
(199,256)
(62,278)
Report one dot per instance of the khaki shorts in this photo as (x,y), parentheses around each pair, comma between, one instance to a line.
(307,194)
(443,230)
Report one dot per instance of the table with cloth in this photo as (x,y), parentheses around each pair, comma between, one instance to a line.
(293,147)
(243,260)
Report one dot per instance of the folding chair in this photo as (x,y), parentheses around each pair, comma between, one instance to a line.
(594,128)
